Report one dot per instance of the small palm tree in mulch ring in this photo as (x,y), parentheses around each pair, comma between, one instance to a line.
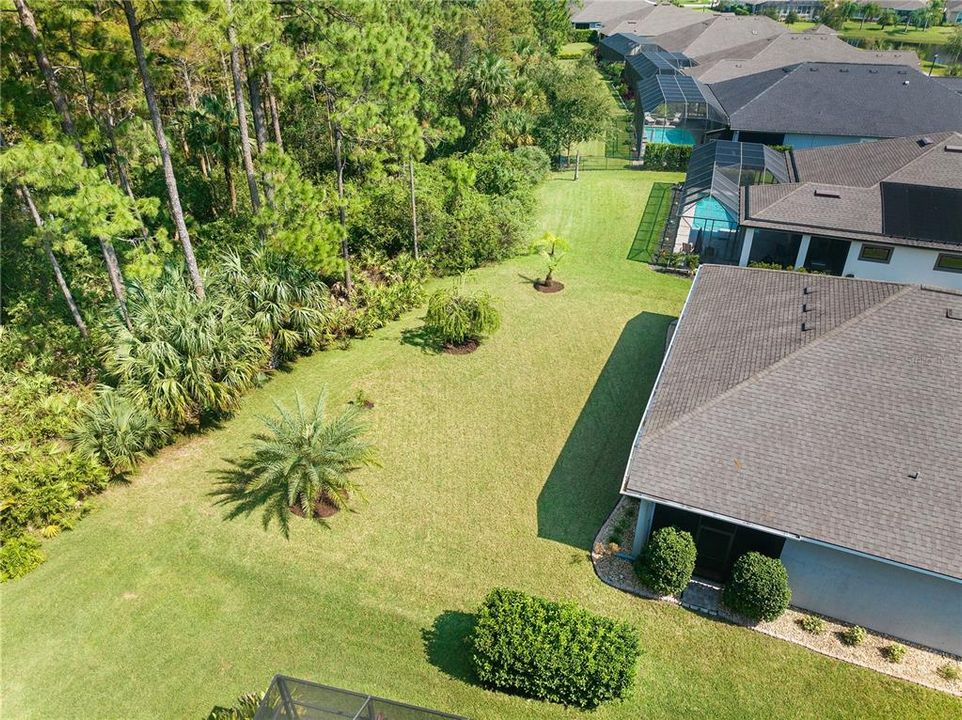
(552,248)
(459,321)
(301,465)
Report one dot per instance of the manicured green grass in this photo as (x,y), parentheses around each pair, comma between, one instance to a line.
(498,467)
(933,35)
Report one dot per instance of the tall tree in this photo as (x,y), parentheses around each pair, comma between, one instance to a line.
(241,107)
(170,180)
(66,121)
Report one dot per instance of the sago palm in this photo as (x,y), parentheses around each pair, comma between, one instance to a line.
(301,460)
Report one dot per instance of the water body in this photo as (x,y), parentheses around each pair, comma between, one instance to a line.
(925,51)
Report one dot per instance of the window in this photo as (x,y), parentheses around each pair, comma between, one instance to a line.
(949,263)
(875,253)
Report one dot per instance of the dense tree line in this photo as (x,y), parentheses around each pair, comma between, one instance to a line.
(196,192)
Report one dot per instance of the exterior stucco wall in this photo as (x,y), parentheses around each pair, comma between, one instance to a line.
(907,265)
(891,599)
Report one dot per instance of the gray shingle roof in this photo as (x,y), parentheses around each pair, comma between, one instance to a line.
(813,433)
(839,191)
(850,99)
(794,48)
(657,20)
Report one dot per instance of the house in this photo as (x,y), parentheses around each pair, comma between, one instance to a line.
(795,48)
(843,102)
(803,8)
(890,210)
(903,9)
(953,12)
(815,419)
(602,15)
(618,47)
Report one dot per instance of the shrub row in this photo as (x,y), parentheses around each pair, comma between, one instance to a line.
(665,156)
(758,586)
(552,651)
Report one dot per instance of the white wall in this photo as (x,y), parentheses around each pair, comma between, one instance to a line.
(910,605)
(907,264)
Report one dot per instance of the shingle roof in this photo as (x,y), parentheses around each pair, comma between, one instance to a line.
(850,99)
(840,190)
(813,433)
(658,19)
(794,48)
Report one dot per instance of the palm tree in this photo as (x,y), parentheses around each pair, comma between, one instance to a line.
(487,83)
(211,126)
(870,11)
(302,462)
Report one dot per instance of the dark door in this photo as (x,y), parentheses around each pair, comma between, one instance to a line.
(827,255)
(714,546)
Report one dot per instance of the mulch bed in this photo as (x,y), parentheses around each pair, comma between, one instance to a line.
(920,664)
(465,348)
(552,287)
(322,509)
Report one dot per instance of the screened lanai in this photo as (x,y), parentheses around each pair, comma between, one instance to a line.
(708,209)
(291,699)
(672,101)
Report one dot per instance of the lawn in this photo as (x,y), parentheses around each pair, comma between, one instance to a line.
(498,467)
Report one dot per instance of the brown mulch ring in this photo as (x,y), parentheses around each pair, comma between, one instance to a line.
(465,348)
(552,287)
(920,664)
(323,508)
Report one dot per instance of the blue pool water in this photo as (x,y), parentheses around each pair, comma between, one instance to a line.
(670,135)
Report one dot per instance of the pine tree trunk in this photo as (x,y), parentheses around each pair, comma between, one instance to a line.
(59,101)
(275,115)
(66,122)
(341,210)
(414,211)
(240,105)
(169,177)
(260,123)
(116,279)
(57,271)
(122,177)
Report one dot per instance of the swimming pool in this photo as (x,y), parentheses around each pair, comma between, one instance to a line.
(669,135)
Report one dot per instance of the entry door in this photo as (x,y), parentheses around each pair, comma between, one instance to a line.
(714,546)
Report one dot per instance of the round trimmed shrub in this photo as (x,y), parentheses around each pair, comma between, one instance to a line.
(667,562)
(758,587)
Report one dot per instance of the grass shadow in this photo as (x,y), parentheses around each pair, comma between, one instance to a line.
(446,645)
(422,338)
(583,485)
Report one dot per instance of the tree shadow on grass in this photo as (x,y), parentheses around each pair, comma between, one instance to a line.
(583,485)
(446,645)
(235,491)
(422,338)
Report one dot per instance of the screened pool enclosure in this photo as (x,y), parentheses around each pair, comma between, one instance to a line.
(672,101)
(708,210)
(291,699)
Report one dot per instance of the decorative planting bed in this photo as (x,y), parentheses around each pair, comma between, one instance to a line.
(918,664)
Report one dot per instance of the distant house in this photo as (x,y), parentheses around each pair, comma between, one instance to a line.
(804,8)
(888,210)
(953,12)
(815,419)
(843,103)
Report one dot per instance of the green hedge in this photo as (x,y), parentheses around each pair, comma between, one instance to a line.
(665,156)
(667,562)
(552,651)
(758,587)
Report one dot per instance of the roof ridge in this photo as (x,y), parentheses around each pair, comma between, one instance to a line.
(838,329)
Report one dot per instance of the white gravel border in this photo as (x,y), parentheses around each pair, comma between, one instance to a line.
(918,666)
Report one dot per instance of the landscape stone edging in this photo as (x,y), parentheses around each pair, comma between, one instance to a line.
(890,669)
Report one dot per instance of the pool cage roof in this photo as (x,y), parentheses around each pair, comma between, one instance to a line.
(721,167)
(291,699)
(679,97)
